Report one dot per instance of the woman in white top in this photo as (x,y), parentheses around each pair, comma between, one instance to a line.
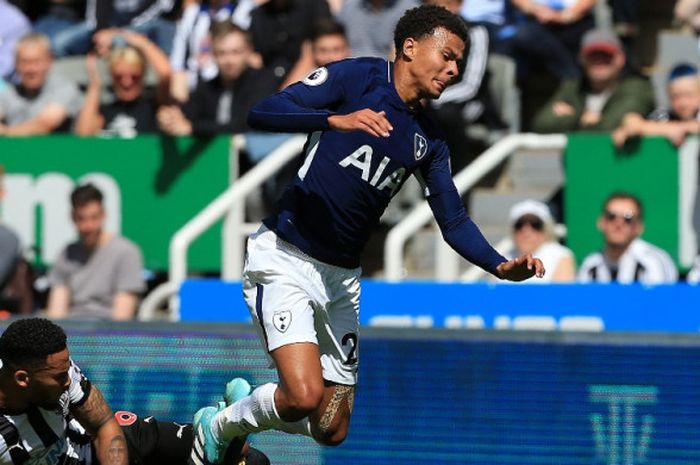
(532,229)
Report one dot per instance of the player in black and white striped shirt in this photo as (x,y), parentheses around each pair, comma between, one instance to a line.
(626,258)
(50,413)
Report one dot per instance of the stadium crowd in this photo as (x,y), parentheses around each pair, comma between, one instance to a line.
(210,61)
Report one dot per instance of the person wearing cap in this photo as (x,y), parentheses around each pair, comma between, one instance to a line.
(625,257)
(676,122)
(603,96)
(533,233)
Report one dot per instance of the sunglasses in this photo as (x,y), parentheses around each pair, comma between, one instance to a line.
(535,223)
(628,218)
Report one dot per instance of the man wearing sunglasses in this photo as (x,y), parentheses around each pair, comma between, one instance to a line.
(625,257)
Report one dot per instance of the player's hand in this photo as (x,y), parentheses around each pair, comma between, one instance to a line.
(369,121)
(521,268)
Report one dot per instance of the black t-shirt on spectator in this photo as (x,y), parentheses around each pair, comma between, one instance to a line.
(214,108)
(127,119)
(279,28)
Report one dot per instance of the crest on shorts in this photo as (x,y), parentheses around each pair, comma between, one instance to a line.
(281,320)
(420,146)
(316,77)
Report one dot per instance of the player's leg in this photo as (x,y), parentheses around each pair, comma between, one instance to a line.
(301,403)
(314,348)
(337,327)
(152,442)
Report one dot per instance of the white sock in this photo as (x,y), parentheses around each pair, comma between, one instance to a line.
(253,414)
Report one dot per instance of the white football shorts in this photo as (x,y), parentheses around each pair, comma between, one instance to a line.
(294,298)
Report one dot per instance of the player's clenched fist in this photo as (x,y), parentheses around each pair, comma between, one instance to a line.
(521,268)
(369,121)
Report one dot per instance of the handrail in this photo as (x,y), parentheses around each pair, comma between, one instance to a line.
(234,229)
(464,180)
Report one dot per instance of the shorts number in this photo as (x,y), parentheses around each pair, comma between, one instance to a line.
(352,339)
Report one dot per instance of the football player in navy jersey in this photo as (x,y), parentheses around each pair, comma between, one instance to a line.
(302,277)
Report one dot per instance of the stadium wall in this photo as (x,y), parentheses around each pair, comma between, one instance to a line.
(435,396)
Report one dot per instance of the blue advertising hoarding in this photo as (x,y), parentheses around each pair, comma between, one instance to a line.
(435,396)
(575,307)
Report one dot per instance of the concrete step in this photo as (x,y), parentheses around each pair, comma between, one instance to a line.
(535,170)
(490,207)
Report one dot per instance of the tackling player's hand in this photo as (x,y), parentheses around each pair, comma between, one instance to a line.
(521,268)
(369,121)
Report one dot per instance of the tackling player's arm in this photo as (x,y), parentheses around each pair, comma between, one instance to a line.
(308,106)
(98,420)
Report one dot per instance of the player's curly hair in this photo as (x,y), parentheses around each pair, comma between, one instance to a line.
(423,20)
(26,343)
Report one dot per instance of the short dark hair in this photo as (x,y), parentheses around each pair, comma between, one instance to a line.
(422,21)
(26,343)
(619,195)
(220,29)
(82,195)
(327,27)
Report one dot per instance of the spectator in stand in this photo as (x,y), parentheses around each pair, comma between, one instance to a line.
(101,275)
(12,26)
(41,102)
(16,292)
(495,16)
(221,105)
(370,25)
(549,35)
(328,43)
(192,57)
(59,16)
(533,233)
(625,18)
(148,17)
(9,243)
(600,100)
(132,112)
(625,257)
(676,122)
(467,100)
(687,14)
(280,27)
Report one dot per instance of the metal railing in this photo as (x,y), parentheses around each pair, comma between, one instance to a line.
(230,205)
(446,262)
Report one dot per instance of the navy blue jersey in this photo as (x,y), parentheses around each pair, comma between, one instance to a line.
(348,178)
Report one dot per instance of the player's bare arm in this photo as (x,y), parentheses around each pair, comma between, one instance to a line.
(521,268)
(369,121)
(97,418)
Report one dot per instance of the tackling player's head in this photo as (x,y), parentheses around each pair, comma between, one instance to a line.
(35,362)
(430,41)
